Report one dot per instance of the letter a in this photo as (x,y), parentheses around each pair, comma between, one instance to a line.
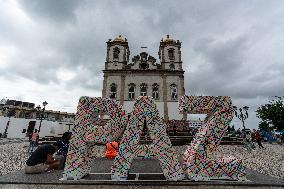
(145,109)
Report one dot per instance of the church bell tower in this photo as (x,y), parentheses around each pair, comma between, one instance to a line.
(170,54)
(117,53)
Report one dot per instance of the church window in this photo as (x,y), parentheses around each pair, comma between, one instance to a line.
(172,66)
(131,91)
(143,89)
(116,52)
(171,54)
(155,92)
(113,90)
(174,93)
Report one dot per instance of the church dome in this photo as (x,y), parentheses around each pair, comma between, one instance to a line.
(168,39)
(119,39)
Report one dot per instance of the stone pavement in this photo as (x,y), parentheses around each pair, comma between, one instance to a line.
(143,174)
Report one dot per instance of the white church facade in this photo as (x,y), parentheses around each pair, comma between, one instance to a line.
(125,79)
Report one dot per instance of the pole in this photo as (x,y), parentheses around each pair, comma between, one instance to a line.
(242,118)
(6,129)
(40,123)
(41,111)
(243,125)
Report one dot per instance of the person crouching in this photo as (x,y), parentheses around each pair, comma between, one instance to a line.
(41,160)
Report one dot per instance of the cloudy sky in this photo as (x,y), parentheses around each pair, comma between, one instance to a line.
(54,50)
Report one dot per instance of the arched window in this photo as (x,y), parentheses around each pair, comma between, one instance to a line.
(143,89)
(131,91)
(155,91)
(113,88)
(116,52)
(174,91)
(172,66)
(171,53)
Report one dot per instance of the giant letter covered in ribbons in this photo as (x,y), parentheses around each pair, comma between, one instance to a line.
(219,115)
(87,130)
(145,111)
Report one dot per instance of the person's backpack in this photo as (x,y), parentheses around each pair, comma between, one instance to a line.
(111,150)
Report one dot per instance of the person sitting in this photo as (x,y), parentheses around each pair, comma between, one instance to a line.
(238,132)
(111,149)
(63,144)
(41,160)
(63,149)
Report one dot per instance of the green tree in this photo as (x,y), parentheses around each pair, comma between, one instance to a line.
(263,125)
(272,113)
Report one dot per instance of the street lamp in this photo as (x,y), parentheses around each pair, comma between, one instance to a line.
(41,111)
(243,115)
(9,113)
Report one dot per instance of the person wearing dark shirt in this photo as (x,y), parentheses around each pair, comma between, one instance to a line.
(42,159)
(63,149)
(64,144)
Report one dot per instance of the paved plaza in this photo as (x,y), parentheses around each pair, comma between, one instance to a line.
(143,173)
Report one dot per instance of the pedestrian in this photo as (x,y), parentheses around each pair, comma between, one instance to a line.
(278,139)
(41,160)
(33,141)
(253,136)
(258,138)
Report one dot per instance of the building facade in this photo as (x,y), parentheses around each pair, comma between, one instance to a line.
(18,119)
(125,79)
(27,110)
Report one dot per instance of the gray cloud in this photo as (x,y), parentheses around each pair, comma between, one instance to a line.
(228,47)
(223,56)
(52,10)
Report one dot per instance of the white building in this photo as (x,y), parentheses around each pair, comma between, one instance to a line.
(18,119)
(126,79)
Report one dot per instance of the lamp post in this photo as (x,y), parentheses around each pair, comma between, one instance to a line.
(243,115)
(41,111)
(10,113)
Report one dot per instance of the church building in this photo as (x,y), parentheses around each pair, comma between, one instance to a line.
(127,78)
